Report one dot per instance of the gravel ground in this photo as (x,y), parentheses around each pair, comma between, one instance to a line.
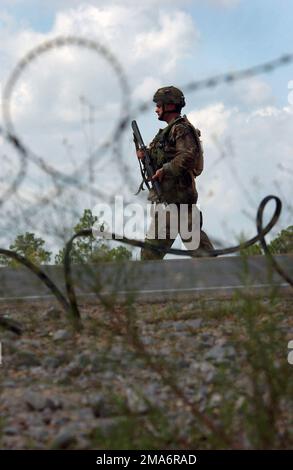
(148,379)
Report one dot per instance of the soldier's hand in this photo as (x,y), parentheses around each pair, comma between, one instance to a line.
(140,154)
(159,175)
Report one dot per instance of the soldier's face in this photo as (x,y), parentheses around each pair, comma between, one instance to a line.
(159,111)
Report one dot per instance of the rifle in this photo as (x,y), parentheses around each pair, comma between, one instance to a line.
(146,167)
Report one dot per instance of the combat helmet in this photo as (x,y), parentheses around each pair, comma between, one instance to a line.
(169,95)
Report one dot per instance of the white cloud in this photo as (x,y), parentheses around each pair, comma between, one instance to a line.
(268,111)
(101,3)
(212,120)
(165,44)
(243,151)
(48,93)
(89,20)
(145,89)
(254,92)
(224,3)
(46,104)
(151,42)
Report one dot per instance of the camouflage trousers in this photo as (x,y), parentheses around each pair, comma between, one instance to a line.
(148,254)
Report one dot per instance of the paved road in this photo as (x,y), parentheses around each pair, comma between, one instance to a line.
(154,280)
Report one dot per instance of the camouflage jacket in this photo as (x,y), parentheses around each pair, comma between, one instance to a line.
(177,149)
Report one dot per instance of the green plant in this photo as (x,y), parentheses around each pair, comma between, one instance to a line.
(90,249)
(283,243)
(30,247)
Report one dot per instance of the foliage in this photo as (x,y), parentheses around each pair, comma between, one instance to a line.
(135,432)
(252,250)
(90,249)
(30,247)
(250,392)
(103,253)
(283,243)
(257,399)
(84,249)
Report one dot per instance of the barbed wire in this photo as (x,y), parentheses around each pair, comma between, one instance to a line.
(59,178)
(10,134)
(231,77)
(68,301)
(200,253)
(124,119)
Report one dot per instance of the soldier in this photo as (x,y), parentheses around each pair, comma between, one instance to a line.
(177,158)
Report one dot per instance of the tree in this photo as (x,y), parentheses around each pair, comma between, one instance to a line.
(251,250)
(103,253)
(283,243)
(30,247)
(90,249)
(83,247)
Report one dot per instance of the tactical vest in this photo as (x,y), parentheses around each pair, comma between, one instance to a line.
(163,141)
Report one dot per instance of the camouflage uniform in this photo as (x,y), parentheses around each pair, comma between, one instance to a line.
(177,149)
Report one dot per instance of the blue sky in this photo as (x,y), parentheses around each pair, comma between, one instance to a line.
(40,18)
(160,43)
(250,33)
(231,38)
(246,33)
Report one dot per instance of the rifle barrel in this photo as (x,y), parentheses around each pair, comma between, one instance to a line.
(147,162)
